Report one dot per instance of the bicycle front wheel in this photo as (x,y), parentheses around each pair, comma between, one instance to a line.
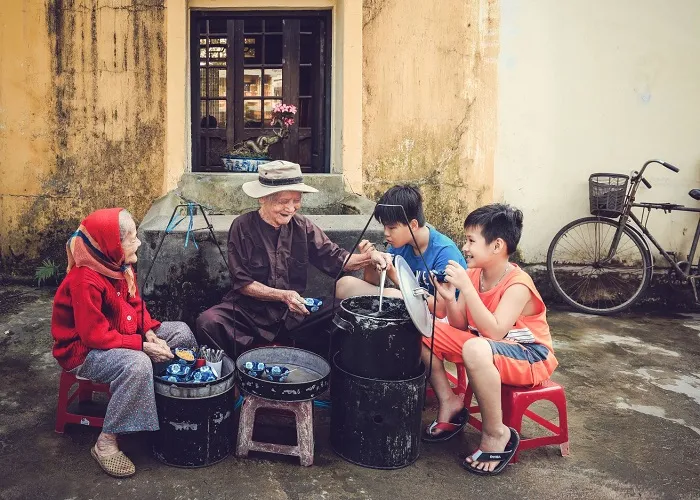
(591,277)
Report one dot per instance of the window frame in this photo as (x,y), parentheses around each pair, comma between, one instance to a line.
(320,128)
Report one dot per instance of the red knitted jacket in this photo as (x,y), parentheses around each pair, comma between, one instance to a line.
(91,311)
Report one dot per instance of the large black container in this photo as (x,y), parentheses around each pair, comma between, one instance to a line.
(196,420)
(376,423)
(385,346)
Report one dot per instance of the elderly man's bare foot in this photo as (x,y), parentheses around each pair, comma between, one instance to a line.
(447,412)
(491,443)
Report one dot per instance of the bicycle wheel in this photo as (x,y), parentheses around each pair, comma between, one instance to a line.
(580,274)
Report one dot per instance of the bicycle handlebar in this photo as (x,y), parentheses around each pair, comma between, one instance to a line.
(669,166)
(646,183)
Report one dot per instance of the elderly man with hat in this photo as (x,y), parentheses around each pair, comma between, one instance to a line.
(269,252)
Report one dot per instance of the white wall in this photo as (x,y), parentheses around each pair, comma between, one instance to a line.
(590,86)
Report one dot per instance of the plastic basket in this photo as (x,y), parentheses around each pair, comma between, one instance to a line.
(606,193)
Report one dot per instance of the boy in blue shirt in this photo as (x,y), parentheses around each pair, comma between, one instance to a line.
(437,248)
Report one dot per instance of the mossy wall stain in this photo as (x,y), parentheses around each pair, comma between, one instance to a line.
(429,103)
(104,105)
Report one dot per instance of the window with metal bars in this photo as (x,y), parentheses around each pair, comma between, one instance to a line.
(243,64)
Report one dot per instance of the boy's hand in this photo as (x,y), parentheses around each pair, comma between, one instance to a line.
(446,291)
(457,276)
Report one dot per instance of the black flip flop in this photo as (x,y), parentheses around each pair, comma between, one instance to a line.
(449,429)
(489,456)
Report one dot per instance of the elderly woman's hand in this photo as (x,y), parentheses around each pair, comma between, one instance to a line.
(152,337)
(294,302)
(157,352)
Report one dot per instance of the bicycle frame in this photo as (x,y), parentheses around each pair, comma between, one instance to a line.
(640,228)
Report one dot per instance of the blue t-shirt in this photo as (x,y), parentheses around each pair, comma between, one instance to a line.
(441,249)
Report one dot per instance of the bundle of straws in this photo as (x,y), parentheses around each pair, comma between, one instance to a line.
(211,355)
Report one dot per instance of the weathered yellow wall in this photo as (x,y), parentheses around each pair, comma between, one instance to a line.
(82,117)
(429,102)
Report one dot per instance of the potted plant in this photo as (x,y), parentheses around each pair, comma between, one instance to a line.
(245,156)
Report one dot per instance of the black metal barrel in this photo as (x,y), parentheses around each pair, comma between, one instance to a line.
(196,420)
(383,345)
(376,423)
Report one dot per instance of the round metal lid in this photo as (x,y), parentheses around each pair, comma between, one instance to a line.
(415,302)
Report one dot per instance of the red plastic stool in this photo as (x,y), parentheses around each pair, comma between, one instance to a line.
(515,402)
(84,393)
(303,412)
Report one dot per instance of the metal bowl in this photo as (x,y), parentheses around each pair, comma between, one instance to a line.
(309,374)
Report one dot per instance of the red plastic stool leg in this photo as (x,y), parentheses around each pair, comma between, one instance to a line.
(66,381)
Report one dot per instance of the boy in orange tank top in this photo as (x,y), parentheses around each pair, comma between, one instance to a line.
(497,328)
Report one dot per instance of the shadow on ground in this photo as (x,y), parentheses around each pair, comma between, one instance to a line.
(633,387)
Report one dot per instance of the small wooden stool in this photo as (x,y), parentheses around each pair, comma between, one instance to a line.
(303,412)
(84,393)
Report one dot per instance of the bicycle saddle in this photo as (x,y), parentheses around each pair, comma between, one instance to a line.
(695,194)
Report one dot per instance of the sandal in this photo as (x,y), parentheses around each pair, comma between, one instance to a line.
(449,429)
(116,465)
(502,457)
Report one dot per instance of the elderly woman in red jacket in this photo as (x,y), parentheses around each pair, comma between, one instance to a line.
(103,332)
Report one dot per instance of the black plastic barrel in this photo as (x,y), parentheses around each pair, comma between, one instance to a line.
(196,420)
(383,345)
(376,423)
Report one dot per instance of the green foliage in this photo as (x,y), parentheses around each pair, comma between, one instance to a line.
(46,271)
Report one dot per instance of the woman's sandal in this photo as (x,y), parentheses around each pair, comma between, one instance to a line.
(116,465)
(502,457)
(449,429)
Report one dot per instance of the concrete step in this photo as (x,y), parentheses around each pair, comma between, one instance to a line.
(185,281)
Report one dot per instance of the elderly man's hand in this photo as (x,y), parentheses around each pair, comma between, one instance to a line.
(365,246)
(381,260)
(294,302)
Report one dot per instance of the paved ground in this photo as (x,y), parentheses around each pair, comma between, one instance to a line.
(633,386)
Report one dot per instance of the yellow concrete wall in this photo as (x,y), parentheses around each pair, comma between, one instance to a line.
(82,117)
(589,86)
(429,102)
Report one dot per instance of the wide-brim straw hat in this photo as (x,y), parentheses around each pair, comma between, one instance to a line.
(276,176)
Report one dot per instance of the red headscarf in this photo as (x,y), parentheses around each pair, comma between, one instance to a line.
(97,245)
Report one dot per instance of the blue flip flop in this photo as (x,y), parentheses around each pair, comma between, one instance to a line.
(502,457)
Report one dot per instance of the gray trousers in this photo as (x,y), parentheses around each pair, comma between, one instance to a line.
(129,373)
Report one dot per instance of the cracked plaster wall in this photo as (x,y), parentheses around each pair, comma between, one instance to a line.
(429,102)
(82,117)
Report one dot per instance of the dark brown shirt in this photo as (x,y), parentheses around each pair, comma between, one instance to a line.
(278,258)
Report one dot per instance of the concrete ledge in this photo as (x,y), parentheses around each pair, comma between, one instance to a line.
(186,281)
(223,192)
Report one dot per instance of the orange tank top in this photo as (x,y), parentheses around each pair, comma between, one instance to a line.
(527,329)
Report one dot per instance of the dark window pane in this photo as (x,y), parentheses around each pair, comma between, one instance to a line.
(305,81)
(202,26)
(307,49)
(273,24)
(252,49)
(217,147)
(252,113)
(304,112)
(308,24)
(203,113)
(252,25)
(217,25)
(273,49)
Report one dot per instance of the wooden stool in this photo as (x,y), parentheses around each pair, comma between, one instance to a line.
(84,393)
(303,412)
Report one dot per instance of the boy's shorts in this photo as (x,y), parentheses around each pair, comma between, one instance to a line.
(524,365)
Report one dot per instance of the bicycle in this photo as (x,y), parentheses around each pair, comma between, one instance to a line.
(603,264)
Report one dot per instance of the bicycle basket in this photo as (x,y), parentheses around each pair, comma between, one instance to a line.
(607,194)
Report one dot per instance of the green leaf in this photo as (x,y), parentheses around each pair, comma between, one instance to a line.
(47,270)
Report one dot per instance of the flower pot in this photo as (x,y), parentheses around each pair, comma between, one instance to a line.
(234,164)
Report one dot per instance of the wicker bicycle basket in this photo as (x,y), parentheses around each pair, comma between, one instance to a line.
(607,194)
